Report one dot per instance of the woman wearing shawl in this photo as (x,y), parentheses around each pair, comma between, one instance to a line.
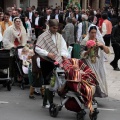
(15,35)
(94,57)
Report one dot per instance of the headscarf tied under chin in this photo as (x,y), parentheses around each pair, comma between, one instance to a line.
(22,29)
(99,36)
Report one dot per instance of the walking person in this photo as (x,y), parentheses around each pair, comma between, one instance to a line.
(96,60)
(106,29)
(115,39)
(50,45)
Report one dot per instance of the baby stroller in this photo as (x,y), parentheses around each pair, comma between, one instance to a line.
(22,77)
(4,69)
(73,100)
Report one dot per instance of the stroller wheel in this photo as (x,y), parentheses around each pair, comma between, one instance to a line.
(8,87)
(80,115)
(53,110)
(94,115)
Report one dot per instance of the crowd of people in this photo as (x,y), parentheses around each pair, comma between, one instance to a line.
(53,31)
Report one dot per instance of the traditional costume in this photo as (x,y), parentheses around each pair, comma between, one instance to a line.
(12,37)
(80,80)
(98,66)
(50,43)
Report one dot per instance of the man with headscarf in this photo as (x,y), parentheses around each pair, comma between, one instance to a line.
(50,46)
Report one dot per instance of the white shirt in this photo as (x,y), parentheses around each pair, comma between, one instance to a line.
(64,50)
(104,29)
(38,62)
(10,18)
(56,17)
(76,16)
(48,17)
(30,16)
(79,32)
(6,25)
(69,14)
(36,20)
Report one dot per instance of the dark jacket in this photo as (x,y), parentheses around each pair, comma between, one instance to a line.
(79,17)
(115,35)
(35,68)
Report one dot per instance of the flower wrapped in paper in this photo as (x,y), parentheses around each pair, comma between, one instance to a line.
(93,50)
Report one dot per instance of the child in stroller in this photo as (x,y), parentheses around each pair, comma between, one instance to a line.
(80,84)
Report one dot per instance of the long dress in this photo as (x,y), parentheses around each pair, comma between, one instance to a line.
(98,68)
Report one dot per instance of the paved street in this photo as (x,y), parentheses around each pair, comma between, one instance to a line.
(16,105)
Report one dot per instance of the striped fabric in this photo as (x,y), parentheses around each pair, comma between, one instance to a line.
(84,81)
(45,42)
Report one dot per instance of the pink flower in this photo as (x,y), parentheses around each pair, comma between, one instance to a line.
(90,43)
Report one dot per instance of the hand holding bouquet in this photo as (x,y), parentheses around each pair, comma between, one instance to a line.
(92,48)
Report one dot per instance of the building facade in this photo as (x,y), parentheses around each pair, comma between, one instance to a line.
(95,4)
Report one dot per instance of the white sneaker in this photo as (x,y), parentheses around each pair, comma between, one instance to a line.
(46,106)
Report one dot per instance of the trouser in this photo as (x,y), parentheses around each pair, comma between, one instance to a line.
(48,95)
(13,69)
(38,32)
(116,49)
(47,68)
(107,40)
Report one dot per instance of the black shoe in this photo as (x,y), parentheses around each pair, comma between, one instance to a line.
(32,97)
(112,65)
(117,69)
(37,93)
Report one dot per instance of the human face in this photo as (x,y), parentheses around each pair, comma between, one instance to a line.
(17,23)
(10,12)
(6,18)
(53,29)
(14,13)
(92,34)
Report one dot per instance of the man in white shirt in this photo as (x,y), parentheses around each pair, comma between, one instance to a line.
(82,28)
(51,46)
(57,15)
(39,24)
(31,16)
(6,23)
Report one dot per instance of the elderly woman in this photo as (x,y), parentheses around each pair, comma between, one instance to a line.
(68,32)
(94,57)
(15,35)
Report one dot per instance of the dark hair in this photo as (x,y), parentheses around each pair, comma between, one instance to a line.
(104,16)
(92,28)
(16,18)
(6,13)
(36,12)
(69,20)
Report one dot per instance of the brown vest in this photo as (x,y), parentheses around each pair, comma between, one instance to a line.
(35,68)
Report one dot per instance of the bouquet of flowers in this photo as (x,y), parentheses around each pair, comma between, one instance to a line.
(91,45)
